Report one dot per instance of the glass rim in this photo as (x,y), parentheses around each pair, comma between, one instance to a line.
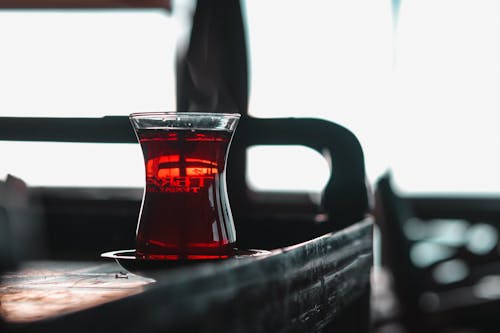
(182,114)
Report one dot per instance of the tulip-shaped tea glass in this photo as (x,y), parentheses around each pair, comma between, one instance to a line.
(185,213)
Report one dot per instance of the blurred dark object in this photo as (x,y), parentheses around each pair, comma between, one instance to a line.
(212,73)
(296,216)
(22,234)
(7,259)
(444,257)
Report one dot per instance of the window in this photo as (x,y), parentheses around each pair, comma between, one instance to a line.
(83,64)
(420,89)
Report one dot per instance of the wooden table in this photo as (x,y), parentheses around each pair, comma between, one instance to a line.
(44,289)
(320,284)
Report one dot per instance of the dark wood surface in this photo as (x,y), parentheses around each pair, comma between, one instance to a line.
(305,287)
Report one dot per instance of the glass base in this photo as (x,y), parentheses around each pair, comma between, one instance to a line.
(152,267)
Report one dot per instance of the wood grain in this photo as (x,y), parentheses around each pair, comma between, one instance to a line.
(42,290)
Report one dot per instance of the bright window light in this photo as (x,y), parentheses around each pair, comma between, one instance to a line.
(326,59)
(423,98)
(445,97)
(287,168)
(421,95)
(86,63)
(74,164)
(83,64)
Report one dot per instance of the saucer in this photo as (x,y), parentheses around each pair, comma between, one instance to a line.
(147,268)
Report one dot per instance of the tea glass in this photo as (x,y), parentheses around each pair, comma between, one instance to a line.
(185,212)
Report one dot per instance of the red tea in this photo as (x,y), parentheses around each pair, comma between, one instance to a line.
(185,212)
